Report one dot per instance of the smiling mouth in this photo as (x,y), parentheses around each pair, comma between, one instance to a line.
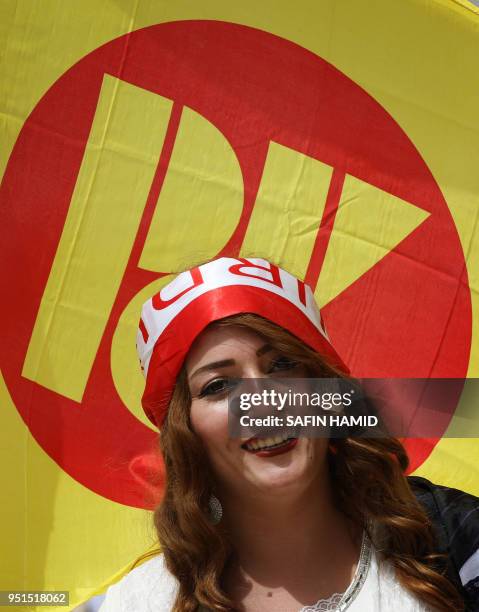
(282,441)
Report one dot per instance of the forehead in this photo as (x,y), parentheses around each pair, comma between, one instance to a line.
(217,342)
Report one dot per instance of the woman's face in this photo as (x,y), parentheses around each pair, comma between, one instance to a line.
(218,356)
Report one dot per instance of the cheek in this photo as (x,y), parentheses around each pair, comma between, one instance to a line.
(210,422)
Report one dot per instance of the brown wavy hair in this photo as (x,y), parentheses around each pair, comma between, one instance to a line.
(370,485)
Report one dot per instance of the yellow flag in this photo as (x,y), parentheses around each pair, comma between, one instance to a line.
(337,139)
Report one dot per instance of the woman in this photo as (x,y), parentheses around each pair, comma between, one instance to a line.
(264,523)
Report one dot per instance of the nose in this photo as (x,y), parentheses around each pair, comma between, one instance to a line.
(252,396)
(246,389)
(253,382)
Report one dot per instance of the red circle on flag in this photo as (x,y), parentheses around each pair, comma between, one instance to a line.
(410,315)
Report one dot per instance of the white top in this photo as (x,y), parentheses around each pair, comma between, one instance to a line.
(151,588)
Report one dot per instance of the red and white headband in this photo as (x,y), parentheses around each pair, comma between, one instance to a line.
(173,318)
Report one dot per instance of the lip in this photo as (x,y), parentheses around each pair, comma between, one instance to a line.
(249,440)
(274,451)
(292,432)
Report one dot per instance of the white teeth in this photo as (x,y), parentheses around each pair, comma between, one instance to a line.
(267,442)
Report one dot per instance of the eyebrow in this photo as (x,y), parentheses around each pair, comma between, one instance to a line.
(228,362)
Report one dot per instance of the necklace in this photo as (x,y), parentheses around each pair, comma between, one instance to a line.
(338,602)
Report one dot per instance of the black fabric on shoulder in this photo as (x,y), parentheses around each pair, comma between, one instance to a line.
(455,518)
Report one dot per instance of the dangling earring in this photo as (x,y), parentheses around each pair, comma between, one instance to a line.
(216,510)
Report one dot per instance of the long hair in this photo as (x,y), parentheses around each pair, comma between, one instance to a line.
(369,485)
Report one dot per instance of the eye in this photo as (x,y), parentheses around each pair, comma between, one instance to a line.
(217,387)
(283,363)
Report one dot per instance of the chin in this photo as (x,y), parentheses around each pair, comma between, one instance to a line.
(280,474)
(282,485)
